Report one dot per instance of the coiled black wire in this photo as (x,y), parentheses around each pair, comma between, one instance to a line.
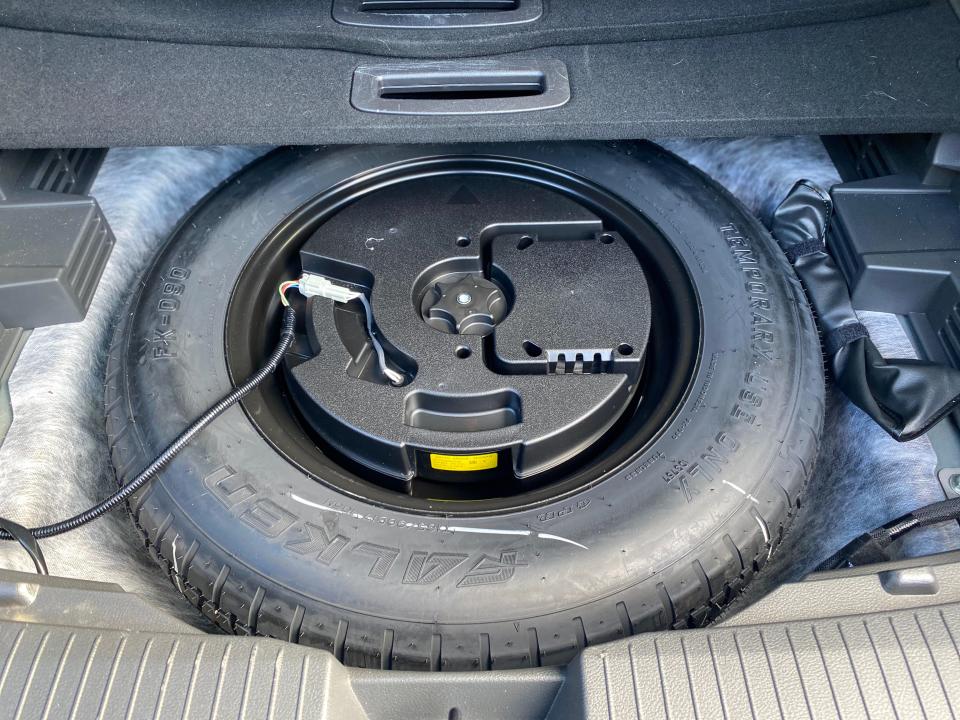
(230,399)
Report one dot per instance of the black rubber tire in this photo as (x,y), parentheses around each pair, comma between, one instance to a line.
(665,541)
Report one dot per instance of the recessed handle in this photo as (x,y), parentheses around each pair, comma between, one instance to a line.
(460,88)
(436,13)
(437,6)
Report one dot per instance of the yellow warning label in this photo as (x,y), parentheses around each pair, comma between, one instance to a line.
(463,463)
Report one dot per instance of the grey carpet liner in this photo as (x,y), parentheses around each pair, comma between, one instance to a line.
(889,73)
(54,459)
(309,24)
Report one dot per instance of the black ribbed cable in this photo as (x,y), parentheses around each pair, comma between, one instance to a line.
(871,547)
(230,399)
(932,514)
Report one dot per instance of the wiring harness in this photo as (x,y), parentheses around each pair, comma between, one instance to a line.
(27,537)
(873,547)
(311,285)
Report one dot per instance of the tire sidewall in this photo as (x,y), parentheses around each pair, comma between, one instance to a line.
(714,469)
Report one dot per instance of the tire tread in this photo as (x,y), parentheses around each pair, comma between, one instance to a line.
(201,575)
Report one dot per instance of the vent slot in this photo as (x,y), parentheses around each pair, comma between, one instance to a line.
(459,88)
(439,14)
(579,362)
(63,170)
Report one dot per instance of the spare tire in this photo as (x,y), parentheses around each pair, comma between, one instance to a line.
(269,532)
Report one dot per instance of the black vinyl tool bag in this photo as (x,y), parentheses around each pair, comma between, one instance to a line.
(905,397)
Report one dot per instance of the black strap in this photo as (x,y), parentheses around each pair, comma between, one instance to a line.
(807,247)
(844,335)
(28,542)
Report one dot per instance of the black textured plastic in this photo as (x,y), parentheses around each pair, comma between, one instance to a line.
(896,240)
(52,253)
(905,397)
(553,374)
(54,243)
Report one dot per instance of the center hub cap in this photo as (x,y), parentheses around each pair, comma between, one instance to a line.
(466,304)
(518,321)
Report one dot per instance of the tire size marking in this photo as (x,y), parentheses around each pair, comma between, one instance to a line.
(162,344)
(645,465)
(700,402)
(708,376)
(328,544)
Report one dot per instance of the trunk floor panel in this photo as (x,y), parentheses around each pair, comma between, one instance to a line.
(806,651)
(54,460)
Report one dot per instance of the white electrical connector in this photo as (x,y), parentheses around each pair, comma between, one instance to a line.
(321,285)
(311,285)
